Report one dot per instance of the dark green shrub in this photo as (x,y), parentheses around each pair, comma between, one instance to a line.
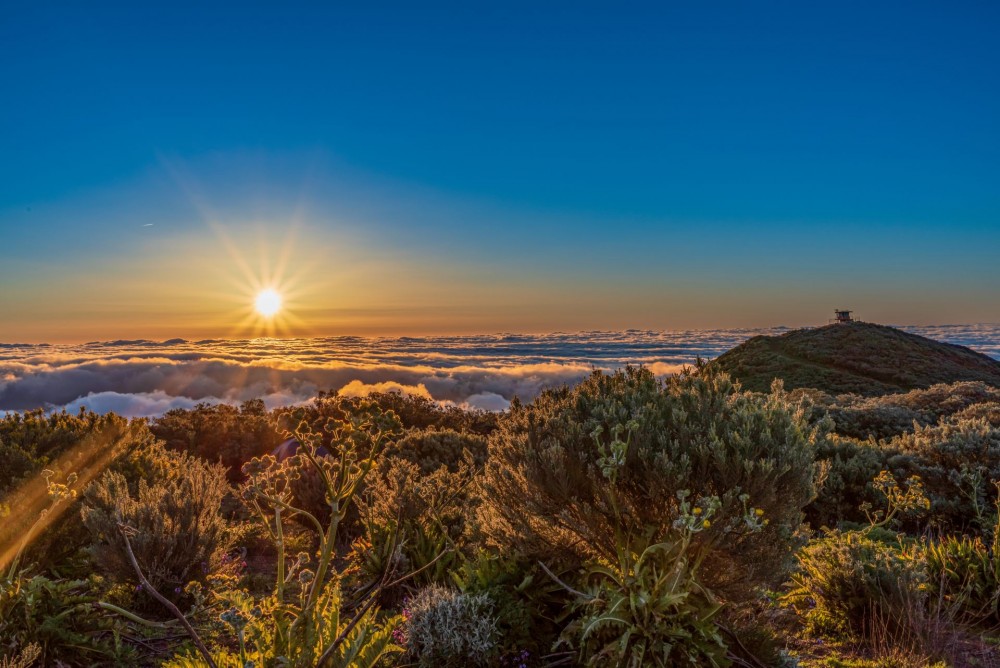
(546,492)
(957,463)
(850,468)
(177,530)
(59,617)
(647,608)
(527,601)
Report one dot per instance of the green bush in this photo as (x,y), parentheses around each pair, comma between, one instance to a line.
(850,466)
(527,601)
(957,463)
(178,532)
(966,572)
(445,627)
(546,492)
(59,618)
(648,609)
(848,584)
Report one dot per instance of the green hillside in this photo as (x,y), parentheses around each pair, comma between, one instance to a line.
(859,358)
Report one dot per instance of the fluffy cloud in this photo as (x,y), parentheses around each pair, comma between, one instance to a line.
(147,378)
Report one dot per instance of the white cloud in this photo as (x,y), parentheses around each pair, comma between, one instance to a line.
(144,378)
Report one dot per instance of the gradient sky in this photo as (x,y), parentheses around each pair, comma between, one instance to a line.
(464,167)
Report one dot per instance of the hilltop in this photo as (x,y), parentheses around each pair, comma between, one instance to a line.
(859,358)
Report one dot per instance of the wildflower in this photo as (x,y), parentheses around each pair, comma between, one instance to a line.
(177,590)
(759,512)
(696,511)
(706,524)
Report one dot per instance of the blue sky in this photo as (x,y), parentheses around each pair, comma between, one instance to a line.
(730,163)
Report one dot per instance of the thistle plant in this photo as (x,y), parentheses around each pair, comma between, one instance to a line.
(301,623)
(908,498)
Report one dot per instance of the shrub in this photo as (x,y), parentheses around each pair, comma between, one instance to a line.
(850,468)
(84,445)
(988,411)
(219,433)
(413,413)
(58,617)
(178,532)
(647,608)
(425,514)
(445,627)
(432,449)
(546,490)
(957,463)
(892,415)
(847,584)
(967,572)
(527,603)
(303,621)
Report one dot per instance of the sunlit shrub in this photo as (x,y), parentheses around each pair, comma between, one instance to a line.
(988,411)
(84,444)
(304,621)
(54,619)
(966,572)
(892,415)
(445,627)
(848,582)
(546,490)
(432,449)
(219,433)
(174,519)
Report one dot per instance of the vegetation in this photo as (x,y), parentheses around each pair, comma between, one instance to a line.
(858,358)
(627,521)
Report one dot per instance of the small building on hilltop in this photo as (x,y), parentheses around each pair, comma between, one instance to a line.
(843,316)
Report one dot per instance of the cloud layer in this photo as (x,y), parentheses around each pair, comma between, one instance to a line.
(147,378)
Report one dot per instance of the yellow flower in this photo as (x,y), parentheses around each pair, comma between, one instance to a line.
(696,511)
(759,512)
(706,524)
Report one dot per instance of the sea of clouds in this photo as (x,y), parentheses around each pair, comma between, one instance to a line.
(147,378)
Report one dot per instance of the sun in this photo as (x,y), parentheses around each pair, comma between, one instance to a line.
(268,302)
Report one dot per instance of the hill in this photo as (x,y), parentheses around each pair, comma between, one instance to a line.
(860,358)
